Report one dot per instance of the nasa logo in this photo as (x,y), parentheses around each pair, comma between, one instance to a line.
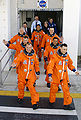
(42,3)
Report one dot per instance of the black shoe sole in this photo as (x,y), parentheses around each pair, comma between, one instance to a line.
(36,108)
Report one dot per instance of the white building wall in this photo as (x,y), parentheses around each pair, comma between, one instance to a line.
(4,28)
(71,27)
(13,17)
(79,43)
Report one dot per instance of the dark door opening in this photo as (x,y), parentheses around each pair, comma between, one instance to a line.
(43,16)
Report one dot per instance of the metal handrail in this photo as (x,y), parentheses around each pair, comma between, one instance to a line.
(6,63)
(4,54)
(1,82)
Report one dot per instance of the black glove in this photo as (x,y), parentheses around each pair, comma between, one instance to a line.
(69,84)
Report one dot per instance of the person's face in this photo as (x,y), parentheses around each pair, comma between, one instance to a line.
(29,48)
(51,30)
(51,20)
(24,25)
(25,40)
(55,42)
(38,28)
(63,50)
(21,31)
(36,18)
(45,24)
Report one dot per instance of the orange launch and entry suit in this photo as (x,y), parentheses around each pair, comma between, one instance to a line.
(48,53)
(18,38)
(28,67)
(37,37)
(47,40)
(57,68)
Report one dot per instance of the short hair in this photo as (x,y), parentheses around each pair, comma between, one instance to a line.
(55,38)
(37,25)
(64,44)
(51,27)
(25,23)
(28,43)
(50,18)
(36,16)
(25,37)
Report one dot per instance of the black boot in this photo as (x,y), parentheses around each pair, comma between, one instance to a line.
(20,100)
(39,59)
(35,106)
(48,85)
(69,107)
(59,89)
(27,89)
(51,104)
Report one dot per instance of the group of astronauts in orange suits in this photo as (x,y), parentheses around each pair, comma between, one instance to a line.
(56,61)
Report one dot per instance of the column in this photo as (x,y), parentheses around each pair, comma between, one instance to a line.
(71,27)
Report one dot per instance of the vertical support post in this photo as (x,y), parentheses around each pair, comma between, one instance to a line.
(0,75)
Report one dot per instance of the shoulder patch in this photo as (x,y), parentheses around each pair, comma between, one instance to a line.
(66,63)
(21,51)
(31,63)
(18,40)
(25,62)
(60,63)
(47,40)
(51,53)
(66,60)
(32,59)
(35,35)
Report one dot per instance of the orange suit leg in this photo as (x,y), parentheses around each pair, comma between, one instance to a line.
(53,91)
(34,94)
(66,93)
(21,87)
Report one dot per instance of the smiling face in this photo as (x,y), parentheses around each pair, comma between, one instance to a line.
(25,25)
(55,42)
(63,50)
(25,40)
(38,27)
(29,48)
